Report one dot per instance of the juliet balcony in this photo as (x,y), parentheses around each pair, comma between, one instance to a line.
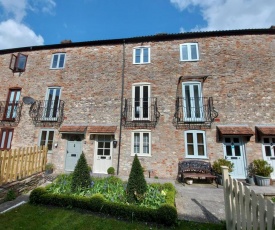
(10,112)
(194,112)
(140,112)
(49,111)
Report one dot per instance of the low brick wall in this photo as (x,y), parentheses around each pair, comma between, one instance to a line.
(22,186)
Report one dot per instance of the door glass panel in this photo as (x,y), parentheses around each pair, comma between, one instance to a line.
(196,101)
(228,150)
(187,102)
(273,140)
(190,149)
(43,138)
(236,140)
(100,144)
(145,101)
(137,102)
(267,151)
(107,152)
(200,150)
(107,137)
(100,152)
(237,151)
(107,145)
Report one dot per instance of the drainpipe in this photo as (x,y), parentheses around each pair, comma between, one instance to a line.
(121,105)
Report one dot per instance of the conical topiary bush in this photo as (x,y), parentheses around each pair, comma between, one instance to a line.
(81,175)
(137,185)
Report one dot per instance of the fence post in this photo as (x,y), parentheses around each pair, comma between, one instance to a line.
(227,204)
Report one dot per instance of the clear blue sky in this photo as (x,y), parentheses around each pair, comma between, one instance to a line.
(38,22)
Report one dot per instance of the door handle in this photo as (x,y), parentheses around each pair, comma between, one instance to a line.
(225,157)
(67,151)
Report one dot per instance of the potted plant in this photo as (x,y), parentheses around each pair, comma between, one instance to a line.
(262,172)
(218,170)
(250,174)
(49,168)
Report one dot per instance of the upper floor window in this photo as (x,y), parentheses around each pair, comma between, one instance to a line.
(141,101)
(193,109)
(141,55)
(195,145)
(141,142)
(12,104)
(189,52)
(51,104)
(46,139)
(6,138)
(18,63)
(58,61)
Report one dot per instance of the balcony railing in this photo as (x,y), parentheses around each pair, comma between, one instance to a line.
(141,112)
(194,111)
(10,112)
(47,111)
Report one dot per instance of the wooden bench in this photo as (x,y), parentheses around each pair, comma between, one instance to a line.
(196,169)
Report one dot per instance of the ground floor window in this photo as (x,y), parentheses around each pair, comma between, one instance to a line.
(195,144)
(141,143)
(46,138)
(6,138)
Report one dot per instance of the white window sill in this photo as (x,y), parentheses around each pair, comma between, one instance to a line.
(141,155)
(195,60)
(196,157)
(145,63)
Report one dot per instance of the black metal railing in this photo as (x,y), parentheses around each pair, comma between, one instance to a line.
(141,112)
(10,112)
(195,110)
(47,111)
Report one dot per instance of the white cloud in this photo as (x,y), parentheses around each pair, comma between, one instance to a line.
(14,34)
(231,14)
(13,31)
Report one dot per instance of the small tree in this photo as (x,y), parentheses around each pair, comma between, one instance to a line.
(81,175)
(137,185)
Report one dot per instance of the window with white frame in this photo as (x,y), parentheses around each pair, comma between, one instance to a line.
(58,61)
(46,139)
(141,55)
(189,52)
(268,146)
(195,144)
(141,143)
(141,101)
(193,109)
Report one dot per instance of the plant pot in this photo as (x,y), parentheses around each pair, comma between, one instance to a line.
(219,179)
(250,180)
(48,171)
(262,181)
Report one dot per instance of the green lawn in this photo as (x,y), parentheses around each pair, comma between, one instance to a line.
(40,217)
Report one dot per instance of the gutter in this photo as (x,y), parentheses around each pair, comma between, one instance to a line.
(121,105)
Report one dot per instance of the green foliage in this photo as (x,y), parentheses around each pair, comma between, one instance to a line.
(167,214)
(111,170)
(36,194)
(11,195)
(261,168)
(49,166)
(137,185)
(222,162)
(81,175)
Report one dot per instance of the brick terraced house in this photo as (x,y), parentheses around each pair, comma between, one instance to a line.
(167,97)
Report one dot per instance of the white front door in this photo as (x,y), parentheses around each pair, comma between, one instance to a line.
(269,152)
(234,152)
(103,153)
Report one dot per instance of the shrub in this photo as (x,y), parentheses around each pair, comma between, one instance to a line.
(81,175)
(11,195)
(36,194)
(111,171)
(167,214)
(262,168)
(222,162)
(137,185)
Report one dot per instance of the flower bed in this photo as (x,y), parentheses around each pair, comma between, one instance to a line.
(108,195)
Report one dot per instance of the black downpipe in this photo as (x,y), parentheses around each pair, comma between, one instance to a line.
(121,106)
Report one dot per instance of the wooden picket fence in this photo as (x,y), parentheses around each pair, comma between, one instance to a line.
(244,209)
(17,164)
